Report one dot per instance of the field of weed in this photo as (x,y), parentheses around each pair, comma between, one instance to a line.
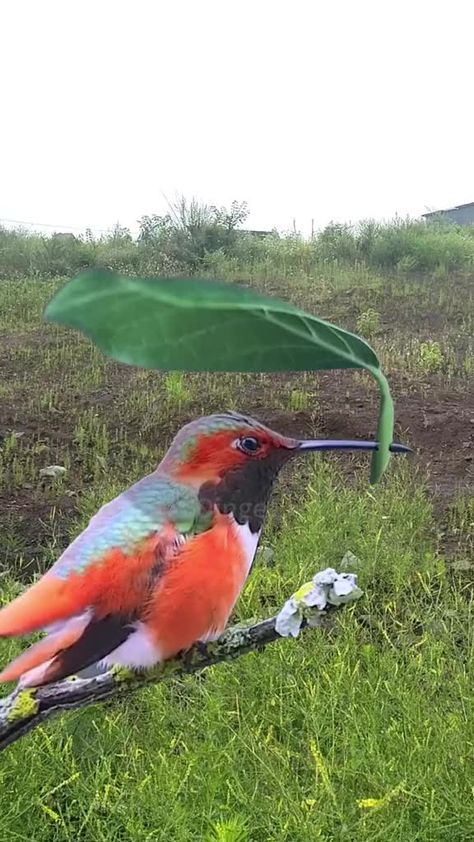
(363,734)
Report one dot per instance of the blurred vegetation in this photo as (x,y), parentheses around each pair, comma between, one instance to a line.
(197,238)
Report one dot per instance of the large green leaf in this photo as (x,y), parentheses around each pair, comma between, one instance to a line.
(193,325)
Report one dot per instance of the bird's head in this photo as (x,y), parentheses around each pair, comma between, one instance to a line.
(207,448)
(234,459)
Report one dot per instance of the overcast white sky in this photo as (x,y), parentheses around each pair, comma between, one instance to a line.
(334,110)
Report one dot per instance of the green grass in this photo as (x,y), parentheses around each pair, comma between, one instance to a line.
(286,744)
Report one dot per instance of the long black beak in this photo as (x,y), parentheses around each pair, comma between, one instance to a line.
(347,444)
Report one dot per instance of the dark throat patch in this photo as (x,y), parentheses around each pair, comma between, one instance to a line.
(244,492)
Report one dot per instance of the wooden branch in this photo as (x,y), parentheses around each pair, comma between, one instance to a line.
(24,709)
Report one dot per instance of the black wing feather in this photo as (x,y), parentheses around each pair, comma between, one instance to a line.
(98,639)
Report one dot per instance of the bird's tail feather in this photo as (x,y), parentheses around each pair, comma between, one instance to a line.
(44,650)
(91,644)
(48,601)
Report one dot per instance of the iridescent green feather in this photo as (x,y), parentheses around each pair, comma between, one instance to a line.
(126,521)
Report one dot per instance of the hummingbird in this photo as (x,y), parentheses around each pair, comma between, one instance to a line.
(160,567)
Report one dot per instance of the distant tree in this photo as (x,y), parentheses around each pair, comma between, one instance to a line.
(192,229)
(121,233)
(231,219)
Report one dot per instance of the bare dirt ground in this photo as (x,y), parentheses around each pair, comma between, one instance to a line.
(437,423)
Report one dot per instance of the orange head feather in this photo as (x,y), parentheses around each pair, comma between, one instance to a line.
(206,449)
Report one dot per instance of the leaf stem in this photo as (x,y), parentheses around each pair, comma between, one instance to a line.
(381,457)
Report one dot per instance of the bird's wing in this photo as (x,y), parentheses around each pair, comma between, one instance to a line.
(100,585)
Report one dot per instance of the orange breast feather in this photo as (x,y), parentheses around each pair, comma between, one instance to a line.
(196,596)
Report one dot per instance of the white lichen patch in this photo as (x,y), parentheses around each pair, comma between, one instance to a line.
(327,588)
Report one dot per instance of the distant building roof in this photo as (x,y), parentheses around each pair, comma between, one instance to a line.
(447,210)
(255,233)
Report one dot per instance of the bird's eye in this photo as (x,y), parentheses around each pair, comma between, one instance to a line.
(249,444)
